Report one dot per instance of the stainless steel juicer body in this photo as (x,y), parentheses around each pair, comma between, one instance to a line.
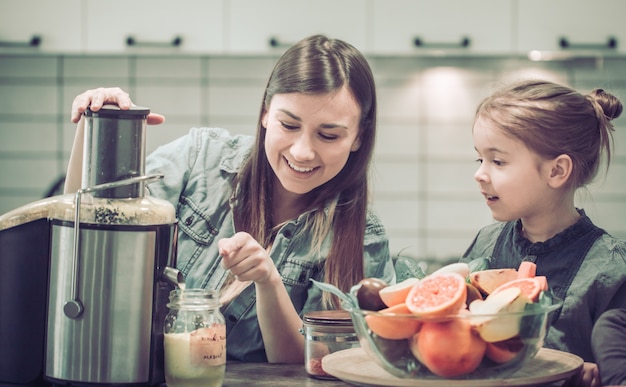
(108,290)
(117,339)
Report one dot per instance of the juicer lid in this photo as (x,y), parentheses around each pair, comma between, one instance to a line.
(114,111)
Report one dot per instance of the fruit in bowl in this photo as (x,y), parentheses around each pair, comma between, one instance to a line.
(438,327)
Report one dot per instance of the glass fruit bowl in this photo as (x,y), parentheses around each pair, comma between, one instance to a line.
(451,347)
(441,327)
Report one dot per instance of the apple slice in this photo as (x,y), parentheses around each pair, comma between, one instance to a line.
(493,320)
(461,268)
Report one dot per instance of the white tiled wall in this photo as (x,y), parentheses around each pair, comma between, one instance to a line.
(422,178)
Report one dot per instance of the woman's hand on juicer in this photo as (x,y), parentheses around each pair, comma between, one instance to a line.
(247,259)
(95,98)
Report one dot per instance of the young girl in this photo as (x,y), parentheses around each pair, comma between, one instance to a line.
(259,217)
(537,143)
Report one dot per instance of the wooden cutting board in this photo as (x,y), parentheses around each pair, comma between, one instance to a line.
(356,367)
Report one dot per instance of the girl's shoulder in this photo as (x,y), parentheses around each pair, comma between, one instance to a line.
(492,229)
(484,242)
(488,235)
(608,246)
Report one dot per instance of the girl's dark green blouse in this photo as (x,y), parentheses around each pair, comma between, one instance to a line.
(585,264)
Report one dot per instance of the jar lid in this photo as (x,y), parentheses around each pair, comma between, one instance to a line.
(328,317)
(196,299)
(114,111)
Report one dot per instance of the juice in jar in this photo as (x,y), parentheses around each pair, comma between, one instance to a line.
(194,339)
(195,359)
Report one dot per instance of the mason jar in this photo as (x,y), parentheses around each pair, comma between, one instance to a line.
(194,339)
(325,332)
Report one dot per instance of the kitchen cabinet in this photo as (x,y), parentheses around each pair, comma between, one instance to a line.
(571,26)
(261,27)
(426,26)
(35,25)
(154,26)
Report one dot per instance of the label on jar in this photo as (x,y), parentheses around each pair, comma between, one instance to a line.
(207,346)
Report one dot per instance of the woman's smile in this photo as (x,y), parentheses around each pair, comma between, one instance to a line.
(302,170)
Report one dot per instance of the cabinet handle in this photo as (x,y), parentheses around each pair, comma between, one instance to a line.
(35,41)
(176,42)
(463,43)
(277,43)
(611,43)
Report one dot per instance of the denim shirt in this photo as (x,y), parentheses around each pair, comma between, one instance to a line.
(198,172)
(598,284)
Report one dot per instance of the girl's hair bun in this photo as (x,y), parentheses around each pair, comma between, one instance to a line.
(610,104)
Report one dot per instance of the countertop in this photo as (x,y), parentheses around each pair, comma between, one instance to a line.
(286,375)
(275,375)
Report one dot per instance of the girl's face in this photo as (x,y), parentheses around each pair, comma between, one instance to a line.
(310,136)
(511,177)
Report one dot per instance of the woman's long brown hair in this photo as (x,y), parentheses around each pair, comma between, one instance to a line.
(318,65)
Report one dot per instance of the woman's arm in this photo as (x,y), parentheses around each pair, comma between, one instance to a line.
(278,319)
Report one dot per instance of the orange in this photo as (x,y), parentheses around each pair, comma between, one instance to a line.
(396,294)
(449,348)
(488,280)
(437,295)
(504,351)
(530,287)
(393,327)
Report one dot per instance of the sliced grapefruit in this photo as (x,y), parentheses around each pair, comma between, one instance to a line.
(391,327)
(526,269)
(488,280)
(396,294)
(530,287)
(437,295)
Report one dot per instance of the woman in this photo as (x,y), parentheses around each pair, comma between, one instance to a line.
(537,144)
(279,209)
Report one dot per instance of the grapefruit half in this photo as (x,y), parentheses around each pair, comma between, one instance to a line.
(530,287)
(437,295)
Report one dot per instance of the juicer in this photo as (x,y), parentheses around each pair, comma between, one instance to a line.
(85,277)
